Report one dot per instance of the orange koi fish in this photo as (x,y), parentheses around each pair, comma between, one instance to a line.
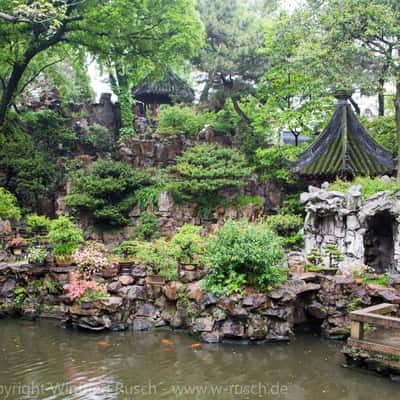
(167,342)
(103,343)
(194,346)
(167,349)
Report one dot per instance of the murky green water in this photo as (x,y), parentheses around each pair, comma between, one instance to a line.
(42,361)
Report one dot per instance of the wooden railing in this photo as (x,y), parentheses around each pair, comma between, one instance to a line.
(377,316)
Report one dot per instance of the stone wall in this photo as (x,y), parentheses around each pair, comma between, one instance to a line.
(153,150)
(340,295)
(346,220)
(172,216)
(134,302)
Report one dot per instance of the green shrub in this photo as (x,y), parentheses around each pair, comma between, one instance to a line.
(100,138)
(148,226)
(160,256)
(183,120)
(202,171)
(292,205)
(50,130)
(315,257)
(275,162)
(125,132)
(37,223)
(27,161)
(147,198)
(8,205)
(370,186)
(383,130)
(246,200)
(226,122)
(20,296)
(286,224)
(242,254)
(334,255)
(382,280)
(64,236)
(128,248)
(108,192)
(288,227)
(188,243)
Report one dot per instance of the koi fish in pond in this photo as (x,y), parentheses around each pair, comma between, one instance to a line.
(167,342)
(167,349)
(103,344)
(194,346)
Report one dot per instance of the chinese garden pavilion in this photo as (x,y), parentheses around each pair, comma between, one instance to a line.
(344,149)
(170,89)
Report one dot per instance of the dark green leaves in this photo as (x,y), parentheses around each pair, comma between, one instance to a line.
(108,192)
(205,169)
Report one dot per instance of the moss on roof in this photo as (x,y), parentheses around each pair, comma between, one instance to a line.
(345,148)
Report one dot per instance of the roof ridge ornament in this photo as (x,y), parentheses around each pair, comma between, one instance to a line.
(343,95)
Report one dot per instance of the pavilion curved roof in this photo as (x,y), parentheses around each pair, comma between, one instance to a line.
(345,148)
(169,89)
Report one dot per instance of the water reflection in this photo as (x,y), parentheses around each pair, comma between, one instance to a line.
(42,361)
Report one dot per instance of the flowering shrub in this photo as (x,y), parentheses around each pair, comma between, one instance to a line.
(18,242)
(80,289)
(92,257)
(37,255)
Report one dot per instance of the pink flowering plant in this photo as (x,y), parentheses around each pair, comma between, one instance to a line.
(18,242)
(81,289)
(92,258)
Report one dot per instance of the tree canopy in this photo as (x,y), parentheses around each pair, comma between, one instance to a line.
(36,34)
(231,57)
(355,43)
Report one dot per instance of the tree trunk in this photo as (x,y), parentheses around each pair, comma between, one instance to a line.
(206,90)
(10,90)
(381,98)
(239,111)
(397,110)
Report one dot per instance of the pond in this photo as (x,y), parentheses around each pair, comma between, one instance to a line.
(41,361)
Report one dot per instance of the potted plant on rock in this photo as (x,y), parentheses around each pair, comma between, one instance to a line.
(65,238)
(37,256)
(189,246)
(363,274)
(334,255)
(126,254)
(92,259)
(160,258)
(17,245)
(315,258)
(37,225)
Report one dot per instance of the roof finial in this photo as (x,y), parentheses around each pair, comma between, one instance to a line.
(343,94)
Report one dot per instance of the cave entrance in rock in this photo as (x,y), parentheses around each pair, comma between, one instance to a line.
(379,242)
